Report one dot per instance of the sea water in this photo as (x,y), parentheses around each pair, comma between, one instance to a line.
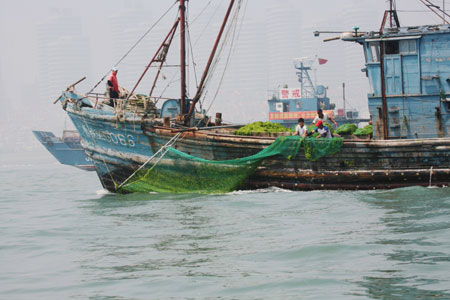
(63,237)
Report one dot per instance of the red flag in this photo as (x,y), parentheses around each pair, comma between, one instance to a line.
(322,61)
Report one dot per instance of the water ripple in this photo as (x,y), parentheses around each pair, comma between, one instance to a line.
(69,241)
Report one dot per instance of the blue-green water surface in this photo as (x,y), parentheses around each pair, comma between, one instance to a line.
(62,237)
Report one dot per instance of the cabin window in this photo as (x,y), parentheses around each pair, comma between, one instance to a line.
(278,107)
(286,107)
(299,105)
(391,47)
(375,52)
(408,47)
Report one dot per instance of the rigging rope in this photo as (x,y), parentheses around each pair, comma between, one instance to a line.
(189,37)
(201,12)
(223,45)
(229,54)
(164,148)
(209,22)
(231,29)
(134,46)
(172,80)
(192,55)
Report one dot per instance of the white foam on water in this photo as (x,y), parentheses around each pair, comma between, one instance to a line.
(103,192)
(271,189)
(434,187)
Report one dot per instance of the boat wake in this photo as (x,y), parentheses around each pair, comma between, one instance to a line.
(265,190)
(103,192)
(435,187)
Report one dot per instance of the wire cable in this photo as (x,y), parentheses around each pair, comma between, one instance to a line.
(232,29)
(134,46)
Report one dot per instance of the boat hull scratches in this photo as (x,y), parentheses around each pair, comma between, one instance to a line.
(254,184)
(112,171)
(359,164)
(348,180)
(89,168)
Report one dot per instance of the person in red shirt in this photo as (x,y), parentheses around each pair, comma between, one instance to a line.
(113,86)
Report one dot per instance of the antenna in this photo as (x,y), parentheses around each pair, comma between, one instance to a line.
(303,65)
(393,17)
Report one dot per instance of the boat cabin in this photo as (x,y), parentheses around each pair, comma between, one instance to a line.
(290,104)
(415,63)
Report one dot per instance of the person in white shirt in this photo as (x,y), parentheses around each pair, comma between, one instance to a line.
(301,128)
(324,117)
(324,131)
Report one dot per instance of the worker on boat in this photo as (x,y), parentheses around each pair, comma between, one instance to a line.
(323,130)
(324,117)
(301,128)
(113,86)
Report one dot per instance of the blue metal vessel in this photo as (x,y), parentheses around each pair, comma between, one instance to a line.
(412,97)
(290,104)
(409,76)
(67,149)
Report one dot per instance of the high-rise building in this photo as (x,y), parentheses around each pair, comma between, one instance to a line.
(283,43)
(63,58)
(126,28)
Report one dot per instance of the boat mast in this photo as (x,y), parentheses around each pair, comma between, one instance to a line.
(383,94)
(392,18)
(183,57)
(343,98)
(208,65)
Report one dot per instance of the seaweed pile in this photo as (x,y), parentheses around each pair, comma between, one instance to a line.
(366,130)
(261,128)
(346,129)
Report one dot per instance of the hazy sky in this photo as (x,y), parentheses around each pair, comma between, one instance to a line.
(21,73)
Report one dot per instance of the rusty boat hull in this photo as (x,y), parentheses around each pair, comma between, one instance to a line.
(119,148)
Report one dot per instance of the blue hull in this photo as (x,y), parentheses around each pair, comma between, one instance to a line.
(66,152)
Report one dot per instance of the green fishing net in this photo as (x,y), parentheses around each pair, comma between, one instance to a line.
(177,172)
(318,148)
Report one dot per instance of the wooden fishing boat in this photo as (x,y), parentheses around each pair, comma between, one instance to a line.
(66,149)
(122,140)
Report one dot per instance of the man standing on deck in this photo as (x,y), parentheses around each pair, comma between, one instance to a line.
(323,130)
(113,85)
(324,117)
